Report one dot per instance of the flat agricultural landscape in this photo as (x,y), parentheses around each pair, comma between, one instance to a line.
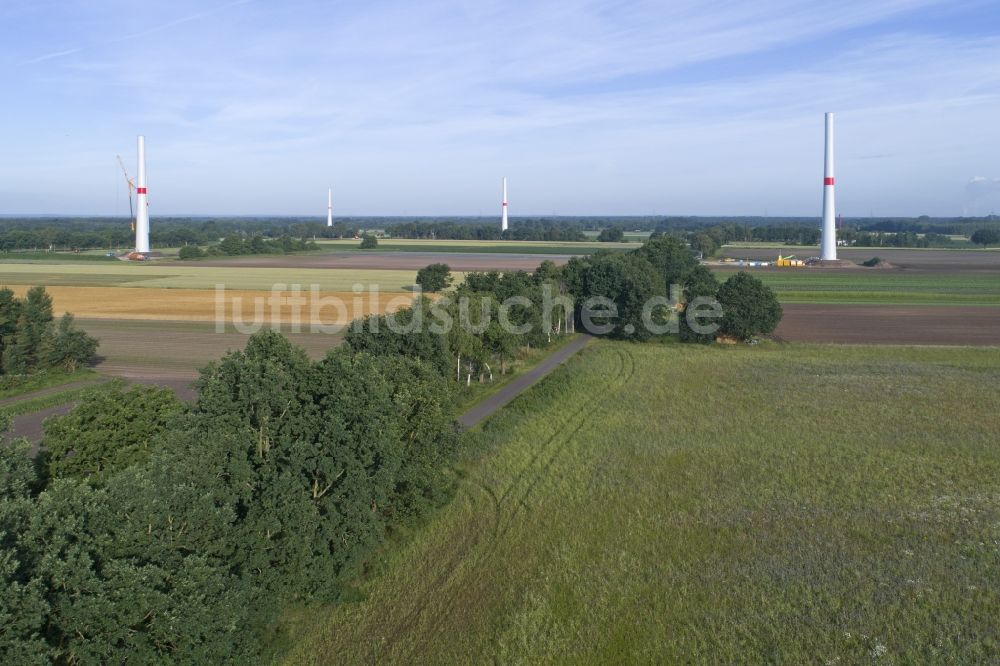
(649,503)
(405,261)
(942,297)
(932,297)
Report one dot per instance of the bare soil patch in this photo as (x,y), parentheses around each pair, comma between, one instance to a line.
(890,324)
(171,353)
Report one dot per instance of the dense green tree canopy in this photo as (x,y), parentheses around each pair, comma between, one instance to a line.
(985,237)
(435,277)
(750,308)
(31,342)
(611,235)
(111,429)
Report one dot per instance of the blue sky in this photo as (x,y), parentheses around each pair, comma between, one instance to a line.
(419,108)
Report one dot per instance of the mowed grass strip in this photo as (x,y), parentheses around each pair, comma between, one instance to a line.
(181,275)
(235,306)
(677,504)
(804,285)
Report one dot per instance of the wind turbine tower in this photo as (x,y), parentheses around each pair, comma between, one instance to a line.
(142,204)
(828,242)
(503,207)
(329,207)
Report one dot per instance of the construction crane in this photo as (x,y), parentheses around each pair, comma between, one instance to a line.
(131,186)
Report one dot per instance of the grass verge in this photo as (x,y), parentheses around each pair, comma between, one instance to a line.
(12,388)
(33,405)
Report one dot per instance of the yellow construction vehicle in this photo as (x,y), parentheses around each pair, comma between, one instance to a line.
(789,261)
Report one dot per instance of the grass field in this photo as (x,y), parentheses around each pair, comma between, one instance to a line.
(680,504)
(878,287)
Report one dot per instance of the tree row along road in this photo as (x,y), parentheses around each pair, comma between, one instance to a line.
(30,425)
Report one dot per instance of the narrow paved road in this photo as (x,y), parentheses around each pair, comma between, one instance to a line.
(520,384)
(30,425)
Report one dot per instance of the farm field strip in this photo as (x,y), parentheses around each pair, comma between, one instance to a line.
(428,245)
(647,503)
(192,276)
(242,307)
(795,285)
(176,350)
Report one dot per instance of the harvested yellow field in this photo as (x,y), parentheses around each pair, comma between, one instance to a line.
(184,275)
(231,306)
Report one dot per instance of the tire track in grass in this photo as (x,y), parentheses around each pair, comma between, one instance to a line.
(500,500)
(624,377)
(556,444)
(471,539)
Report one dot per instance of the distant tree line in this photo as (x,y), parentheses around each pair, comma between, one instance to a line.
(115,233)
(32,341)
(525,229)
(238,244)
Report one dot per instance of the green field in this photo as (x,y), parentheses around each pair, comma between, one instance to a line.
(679,504)
(878,287)
(192,276)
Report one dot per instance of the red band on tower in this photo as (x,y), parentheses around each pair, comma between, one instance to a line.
(828,181)
(140,190)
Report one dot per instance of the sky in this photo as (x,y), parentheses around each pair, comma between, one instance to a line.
(629,107)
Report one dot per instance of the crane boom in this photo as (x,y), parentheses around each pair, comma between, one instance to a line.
(131,186)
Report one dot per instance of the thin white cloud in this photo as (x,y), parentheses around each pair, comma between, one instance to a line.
(50,56)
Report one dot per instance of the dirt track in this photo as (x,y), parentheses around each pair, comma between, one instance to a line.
(410,261)
(890,324)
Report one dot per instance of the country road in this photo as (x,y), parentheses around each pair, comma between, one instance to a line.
(520,384)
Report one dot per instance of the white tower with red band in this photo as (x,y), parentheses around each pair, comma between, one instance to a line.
(142,204)
(329,207)
(828,241)
(503,207)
